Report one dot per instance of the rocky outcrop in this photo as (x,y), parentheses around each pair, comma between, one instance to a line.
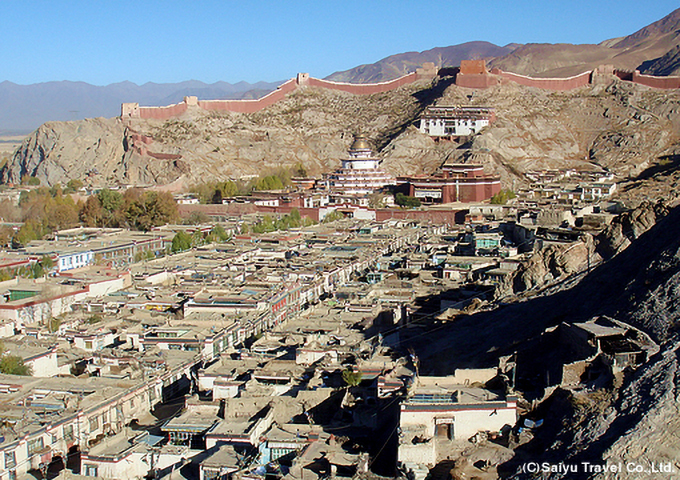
(554,262)
(635,422)
(628,226)
(60,151)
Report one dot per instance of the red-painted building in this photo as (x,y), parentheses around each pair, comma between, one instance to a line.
(455,183)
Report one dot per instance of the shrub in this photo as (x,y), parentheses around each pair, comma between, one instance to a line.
(351,378)
(406,201)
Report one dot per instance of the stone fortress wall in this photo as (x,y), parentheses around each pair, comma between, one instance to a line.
(471,74)
(133,110)
(547,83)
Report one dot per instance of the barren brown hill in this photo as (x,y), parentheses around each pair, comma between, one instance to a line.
(669,64)
(628,53)
(395,66)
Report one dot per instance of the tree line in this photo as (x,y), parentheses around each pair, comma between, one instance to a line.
(216,191)
(44,210)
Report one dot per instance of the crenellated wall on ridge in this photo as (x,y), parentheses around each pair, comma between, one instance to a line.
(363,89)
(656,82)
(250,106)
(163,113)
(133,110)
(472,74)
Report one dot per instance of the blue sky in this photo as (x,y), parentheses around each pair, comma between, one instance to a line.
(107,41)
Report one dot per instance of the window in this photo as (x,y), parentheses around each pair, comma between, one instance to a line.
(88,345)
(68,432)
(12,475)
(10,460)
(35,445)
(94,424)
(54,439)
(90,470)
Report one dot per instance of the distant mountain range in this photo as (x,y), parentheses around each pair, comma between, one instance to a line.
(24,108)
(654,49)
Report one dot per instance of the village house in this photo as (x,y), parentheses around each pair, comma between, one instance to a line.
(439,410)
(122,457)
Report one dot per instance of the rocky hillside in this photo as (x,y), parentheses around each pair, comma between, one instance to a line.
(634,419)
(628,129)
(312,127)
(633,422)
(669,64)
(621,127)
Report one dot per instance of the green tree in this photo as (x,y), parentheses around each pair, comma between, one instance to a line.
(502,197)
(351,378)
(36,270)
(53,324)
(73,185)
(270,182)
(103,209)
(47,262)
(145,255)
(14,365)
(197,238)
(333,216)
(110,200)
(406,201)
(145,210)
(181,241)
(29,180)
(28,231)
(218,234)
(300,171)
(295,217)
